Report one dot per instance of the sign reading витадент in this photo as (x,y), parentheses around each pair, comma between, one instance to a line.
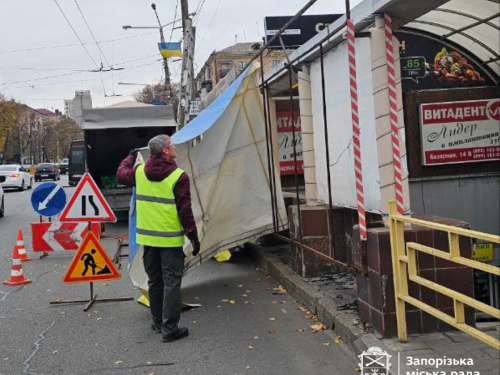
(460,132)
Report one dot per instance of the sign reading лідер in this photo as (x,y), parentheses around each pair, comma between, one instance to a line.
(460,132)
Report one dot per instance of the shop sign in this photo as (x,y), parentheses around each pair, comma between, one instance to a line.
(427,63)
(460,132)
(482,252)
(285,142)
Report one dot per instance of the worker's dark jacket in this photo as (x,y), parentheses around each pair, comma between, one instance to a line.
(157,169)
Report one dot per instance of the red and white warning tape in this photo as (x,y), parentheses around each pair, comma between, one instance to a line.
(355,129)
(396,155)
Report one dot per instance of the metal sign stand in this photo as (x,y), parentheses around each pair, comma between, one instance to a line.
(92,295)
(44,254)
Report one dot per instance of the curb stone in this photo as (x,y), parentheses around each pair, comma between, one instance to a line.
(340,321)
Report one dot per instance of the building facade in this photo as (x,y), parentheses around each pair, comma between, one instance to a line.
(220,63)
(73,108)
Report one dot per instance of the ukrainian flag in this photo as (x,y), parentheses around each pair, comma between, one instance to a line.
(170,49)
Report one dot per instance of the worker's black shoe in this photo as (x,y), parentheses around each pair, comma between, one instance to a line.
(178,334)
(156,327)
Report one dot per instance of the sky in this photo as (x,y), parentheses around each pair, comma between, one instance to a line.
(42,60)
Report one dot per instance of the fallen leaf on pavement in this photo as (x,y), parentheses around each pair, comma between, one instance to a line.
(232,301)
(99,319)
(313,317)
(247,368)
(240,286)
(326,343)
(247,291)
(274,302)
(256,337)
(301,308)
(54,352)
(248,303)
(225,300)
(282,301)
(339,340)
(280,290)
(256,280)
(245,295)
(272,331)
(118,362)
(6,359)
(151,373)
(318,327)
(357,369)
(272,318)
(250,347)
(300,330)
(149,363)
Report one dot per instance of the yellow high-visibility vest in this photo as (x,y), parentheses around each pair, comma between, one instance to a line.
(158,222)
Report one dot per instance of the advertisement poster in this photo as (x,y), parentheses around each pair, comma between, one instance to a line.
(427,63)
(285,142)
(460,132)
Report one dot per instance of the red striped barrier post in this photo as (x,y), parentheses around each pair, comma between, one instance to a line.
(355,129)
(393,103)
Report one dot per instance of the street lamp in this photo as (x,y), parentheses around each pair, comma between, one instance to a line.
(162,38)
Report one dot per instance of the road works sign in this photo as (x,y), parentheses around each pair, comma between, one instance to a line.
(87,203)
(91,263)
(58,236)
(48,199)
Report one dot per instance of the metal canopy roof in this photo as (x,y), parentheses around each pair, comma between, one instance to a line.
(472,24)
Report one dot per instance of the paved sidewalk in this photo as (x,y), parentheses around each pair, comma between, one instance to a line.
(332,297)
(452,345)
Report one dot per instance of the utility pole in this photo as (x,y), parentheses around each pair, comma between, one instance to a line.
(186,89)
(165,60)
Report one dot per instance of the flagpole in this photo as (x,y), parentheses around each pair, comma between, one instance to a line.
(165,60)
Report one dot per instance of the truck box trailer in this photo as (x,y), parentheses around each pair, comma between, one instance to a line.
(111,132)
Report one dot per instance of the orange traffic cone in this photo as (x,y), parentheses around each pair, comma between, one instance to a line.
(16,271)
(23,255)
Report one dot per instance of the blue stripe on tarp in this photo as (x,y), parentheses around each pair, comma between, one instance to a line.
(209,115)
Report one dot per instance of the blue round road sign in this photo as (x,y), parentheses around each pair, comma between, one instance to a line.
(48,199)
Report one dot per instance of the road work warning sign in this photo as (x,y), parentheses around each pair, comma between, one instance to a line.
(91,263)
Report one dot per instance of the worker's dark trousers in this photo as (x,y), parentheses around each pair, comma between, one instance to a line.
(165,266)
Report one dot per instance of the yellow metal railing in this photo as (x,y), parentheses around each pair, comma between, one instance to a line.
(404,263)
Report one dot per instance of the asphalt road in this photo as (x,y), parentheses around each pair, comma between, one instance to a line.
(256,337)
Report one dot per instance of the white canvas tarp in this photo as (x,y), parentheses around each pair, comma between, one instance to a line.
(230,190)
(338,103)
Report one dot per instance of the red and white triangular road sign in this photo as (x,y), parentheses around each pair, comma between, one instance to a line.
(91,263)
(87,203)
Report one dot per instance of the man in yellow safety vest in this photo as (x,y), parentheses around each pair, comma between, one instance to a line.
(164,217)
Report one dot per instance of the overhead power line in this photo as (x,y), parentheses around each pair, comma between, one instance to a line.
(175,19)
(91,33)
(74,31)
(76,44)
(210,24)
(81,80)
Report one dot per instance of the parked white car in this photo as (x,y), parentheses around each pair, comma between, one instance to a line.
(16,177)
(2,198)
